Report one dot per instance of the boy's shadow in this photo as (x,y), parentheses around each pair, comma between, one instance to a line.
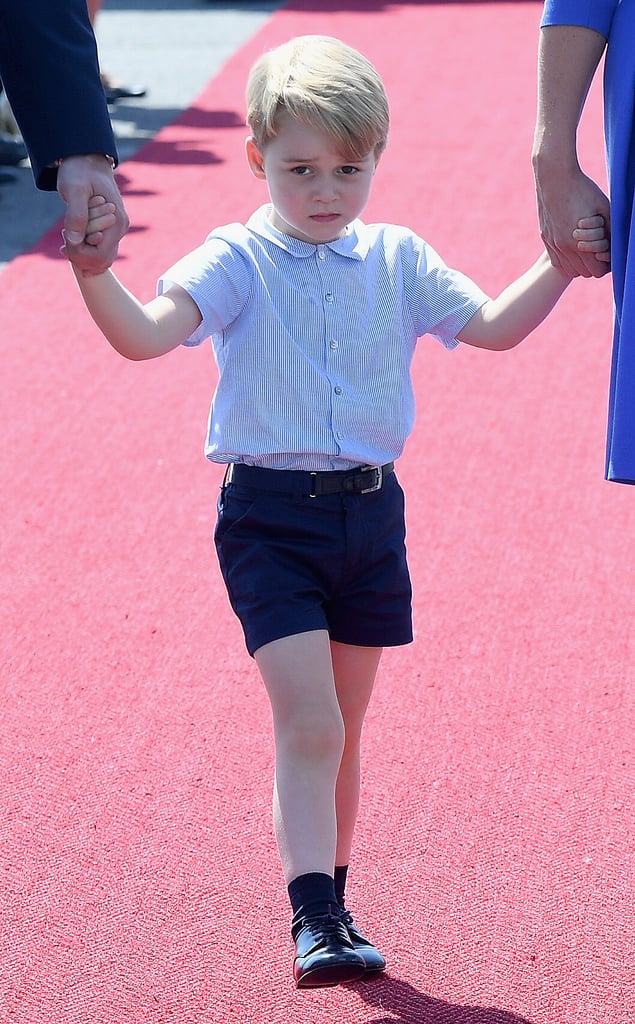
(401,1003)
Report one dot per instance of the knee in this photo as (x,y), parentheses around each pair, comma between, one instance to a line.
(311,737)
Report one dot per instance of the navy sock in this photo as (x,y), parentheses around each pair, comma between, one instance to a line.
(312,895)
(341,872)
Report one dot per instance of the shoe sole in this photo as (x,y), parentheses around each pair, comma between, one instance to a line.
(331,975)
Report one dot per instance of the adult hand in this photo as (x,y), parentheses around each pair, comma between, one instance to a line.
(79,178)
(564,200)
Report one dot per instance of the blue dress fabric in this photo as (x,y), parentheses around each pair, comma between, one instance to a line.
(615,20)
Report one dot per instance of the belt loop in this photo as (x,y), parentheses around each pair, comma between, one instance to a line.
(312,492)
(223,487)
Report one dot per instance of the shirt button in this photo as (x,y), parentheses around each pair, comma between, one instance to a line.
(337,390)
(329,296)
(334,343)
(321,253)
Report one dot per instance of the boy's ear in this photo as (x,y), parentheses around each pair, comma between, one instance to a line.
(254,158)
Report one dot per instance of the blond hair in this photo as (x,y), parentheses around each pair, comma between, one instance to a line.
(326,85)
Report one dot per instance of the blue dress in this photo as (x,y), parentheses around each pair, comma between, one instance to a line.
(615,20)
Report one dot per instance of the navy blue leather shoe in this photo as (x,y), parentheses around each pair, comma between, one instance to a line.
(324,954)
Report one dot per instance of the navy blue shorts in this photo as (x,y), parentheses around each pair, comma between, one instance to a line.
(293,563)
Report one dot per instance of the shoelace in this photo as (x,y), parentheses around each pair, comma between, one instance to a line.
(353,931)
(326,925)
(346,917)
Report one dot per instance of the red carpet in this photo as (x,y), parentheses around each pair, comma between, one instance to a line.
(139,876)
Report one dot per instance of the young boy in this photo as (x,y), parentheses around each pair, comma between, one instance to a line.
(314,318)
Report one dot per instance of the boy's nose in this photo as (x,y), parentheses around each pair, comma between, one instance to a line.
(325,191)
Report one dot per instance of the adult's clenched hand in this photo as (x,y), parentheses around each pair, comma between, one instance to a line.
(563,200)
(79,179)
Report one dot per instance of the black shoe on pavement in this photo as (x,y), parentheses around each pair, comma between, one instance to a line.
(114,93)
(373,959)
(324,954)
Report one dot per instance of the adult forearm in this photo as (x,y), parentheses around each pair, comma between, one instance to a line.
(568,56)
(567,61)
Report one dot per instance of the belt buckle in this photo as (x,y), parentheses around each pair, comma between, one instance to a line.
(379,479)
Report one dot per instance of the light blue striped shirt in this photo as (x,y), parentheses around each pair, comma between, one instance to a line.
(314,342)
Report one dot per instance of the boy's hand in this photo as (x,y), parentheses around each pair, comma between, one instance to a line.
(591,236)
(101,216)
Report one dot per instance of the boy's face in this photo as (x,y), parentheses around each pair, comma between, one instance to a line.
(315,193)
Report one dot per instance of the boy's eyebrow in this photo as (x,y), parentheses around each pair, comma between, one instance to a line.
(315,159)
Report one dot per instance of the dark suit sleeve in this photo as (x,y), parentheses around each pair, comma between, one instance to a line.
(50,72)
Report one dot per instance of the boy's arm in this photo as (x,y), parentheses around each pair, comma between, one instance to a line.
(135,330)
(504,322)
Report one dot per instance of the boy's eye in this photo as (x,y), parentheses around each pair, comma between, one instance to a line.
(301,169)
(349,169)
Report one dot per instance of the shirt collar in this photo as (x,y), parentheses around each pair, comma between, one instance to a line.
(353,244)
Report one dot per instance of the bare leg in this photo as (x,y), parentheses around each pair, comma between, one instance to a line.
(319,693)
(355,669)
(309,737)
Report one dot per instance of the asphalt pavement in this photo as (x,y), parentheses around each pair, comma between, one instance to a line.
(172,47)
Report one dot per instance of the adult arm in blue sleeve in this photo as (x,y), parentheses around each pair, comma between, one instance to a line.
(568,57)
(50,72)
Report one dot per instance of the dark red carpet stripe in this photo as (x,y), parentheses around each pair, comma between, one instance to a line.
(139,877)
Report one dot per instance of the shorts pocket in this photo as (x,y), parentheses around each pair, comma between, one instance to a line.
(232,509)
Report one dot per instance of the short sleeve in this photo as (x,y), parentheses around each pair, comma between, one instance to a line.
(595,14)
(218,277)
(441,300)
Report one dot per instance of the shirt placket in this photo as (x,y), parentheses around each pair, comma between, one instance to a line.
(334,349)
